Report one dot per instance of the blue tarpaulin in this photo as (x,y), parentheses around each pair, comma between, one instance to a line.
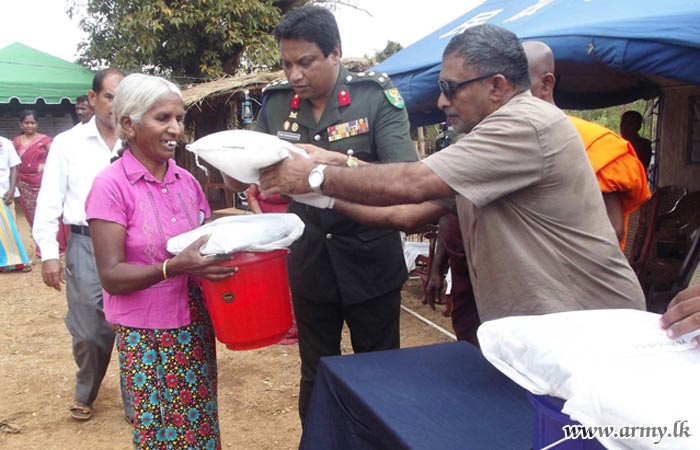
(607,52)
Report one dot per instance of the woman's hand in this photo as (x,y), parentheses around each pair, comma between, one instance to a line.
(190,261)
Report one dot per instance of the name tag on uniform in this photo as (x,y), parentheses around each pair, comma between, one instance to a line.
(348,129)
(289,136)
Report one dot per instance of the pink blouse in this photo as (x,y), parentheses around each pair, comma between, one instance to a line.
(152,212)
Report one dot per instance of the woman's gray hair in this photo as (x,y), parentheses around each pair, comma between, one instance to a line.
(136,94)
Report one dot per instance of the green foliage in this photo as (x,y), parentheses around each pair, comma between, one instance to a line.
(181,38)
(390,48)
(610,117)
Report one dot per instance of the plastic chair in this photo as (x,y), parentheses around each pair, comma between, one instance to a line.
(424,262)
(694,278)
(674,252)
(662,204)
(215,185)
(632,231)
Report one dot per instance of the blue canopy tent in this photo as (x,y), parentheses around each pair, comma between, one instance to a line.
(607,52)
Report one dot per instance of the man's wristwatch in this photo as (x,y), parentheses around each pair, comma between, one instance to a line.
(316,178)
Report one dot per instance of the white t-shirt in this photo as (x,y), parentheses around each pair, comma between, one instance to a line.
(8,160)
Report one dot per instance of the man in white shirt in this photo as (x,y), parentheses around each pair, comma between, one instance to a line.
(76,157)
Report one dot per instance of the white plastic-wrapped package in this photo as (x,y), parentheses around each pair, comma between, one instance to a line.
(255,233)
(614,367)
(658,393)
(241,154)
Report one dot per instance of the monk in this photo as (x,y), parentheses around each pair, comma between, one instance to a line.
(621,176)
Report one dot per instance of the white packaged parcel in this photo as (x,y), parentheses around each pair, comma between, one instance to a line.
(613,367)
(254,233)
(241,154)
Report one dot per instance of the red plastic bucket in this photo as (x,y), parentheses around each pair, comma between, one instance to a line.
(251,309)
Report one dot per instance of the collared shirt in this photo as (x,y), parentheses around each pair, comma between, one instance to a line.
(536,232)
(76,156)
(152,212)
(337,259)
(8,160)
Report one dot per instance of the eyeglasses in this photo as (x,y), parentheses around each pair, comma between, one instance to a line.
(449,88)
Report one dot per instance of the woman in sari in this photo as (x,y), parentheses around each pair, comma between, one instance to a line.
(33,148)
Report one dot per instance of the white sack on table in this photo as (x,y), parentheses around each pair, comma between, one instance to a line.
(614,367)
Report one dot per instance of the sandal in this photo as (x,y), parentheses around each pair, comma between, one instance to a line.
(7,427)
(81,412)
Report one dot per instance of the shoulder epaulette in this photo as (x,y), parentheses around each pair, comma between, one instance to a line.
(380,78)
(277,85)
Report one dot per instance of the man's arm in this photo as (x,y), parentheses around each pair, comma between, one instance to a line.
(10,194)
(13,162)
(613,205)
(49,207)
(371,184)
(433,288)
(407,218)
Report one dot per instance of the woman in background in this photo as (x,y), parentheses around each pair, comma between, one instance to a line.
(33,148)
(165,340)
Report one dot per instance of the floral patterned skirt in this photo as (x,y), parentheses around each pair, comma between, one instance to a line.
(171,374)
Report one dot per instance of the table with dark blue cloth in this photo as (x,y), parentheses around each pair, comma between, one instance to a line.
(435,397)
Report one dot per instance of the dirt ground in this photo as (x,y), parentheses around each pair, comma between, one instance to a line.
(257,388)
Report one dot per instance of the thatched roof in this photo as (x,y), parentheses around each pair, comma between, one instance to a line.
(230,86)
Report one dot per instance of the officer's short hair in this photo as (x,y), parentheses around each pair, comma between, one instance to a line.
(81,99)
(492,49)
(310,23)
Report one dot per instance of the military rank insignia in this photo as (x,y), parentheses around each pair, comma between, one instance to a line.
(294,103)
(348,129)
(344,98)
(394,97)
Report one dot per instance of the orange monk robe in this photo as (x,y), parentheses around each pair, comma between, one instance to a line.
(616,166)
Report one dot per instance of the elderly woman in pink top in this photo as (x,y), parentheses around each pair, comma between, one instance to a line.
(164,336)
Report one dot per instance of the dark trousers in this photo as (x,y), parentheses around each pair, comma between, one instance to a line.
(465,317)
(373,325)
(93,336)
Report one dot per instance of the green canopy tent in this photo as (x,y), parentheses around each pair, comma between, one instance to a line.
(31,79)
(29,75)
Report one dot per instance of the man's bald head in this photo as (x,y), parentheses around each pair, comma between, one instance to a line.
(540,60)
